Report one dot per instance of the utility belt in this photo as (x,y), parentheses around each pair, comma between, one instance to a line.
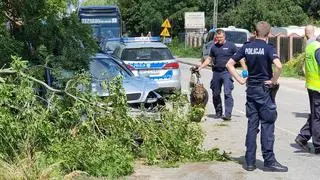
(255,83)
(219,69)
(272,89)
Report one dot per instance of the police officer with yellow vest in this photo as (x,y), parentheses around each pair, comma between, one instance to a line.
(312,72)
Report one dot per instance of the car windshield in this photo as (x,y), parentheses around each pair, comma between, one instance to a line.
(236,37)
(111,45)
(105,32)
(106,69)
(146,54)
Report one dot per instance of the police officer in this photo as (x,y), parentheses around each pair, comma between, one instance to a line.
(221,51)
(260,106)
(312,71)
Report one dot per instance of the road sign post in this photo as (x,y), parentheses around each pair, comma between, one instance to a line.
(165,32)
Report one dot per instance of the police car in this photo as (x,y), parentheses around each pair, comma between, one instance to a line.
(149,57)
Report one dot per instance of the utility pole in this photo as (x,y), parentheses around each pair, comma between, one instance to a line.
(215,14)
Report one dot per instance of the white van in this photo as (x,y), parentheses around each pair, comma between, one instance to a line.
(236,35)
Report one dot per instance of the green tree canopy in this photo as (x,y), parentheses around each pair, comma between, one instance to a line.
(99,2)
(141,16)
(37,29)
(276,12)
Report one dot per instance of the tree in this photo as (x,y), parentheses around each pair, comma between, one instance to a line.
(100,2)
(143,15)
(314,9)
(311,7)
(223,6)
(277,13)
(41,28)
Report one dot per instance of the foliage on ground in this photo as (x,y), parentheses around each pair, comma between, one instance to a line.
(179,49)
(294,67)
(52,132)
(196,113)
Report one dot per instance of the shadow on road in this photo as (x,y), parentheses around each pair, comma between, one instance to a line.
(241,160)
(300,150)
(301,115)
(213,116)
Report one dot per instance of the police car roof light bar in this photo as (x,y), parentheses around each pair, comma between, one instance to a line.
(141,39)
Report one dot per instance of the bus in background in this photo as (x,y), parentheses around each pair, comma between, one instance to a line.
(105,21)
(236,35)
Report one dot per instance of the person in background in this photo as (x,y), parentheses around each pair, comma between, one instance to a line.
(309,34)
(220,53)
(312,74)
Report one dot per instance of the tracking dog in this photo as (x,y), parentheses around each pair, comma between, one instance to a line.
(199,95)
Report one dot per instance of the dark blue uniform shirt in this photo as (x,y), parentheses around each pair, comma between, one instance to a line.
(318,56)
(259,58)
(222,53)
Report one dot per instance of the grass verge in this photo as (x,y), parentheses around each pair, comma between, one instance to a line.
(179,49)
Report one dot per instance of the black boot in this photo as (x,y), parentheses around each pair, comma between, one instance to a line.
(275,167)
(218,115)
(251,167)
(302,143)
(227,117)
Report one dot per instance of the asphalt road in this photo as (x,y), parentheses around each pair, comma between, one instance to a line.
(293,109)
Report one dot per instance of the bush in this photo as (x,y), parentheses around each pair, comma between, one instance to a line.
(294,67)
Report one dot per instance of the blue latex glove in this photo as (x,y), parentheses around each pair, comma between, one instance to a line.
(244,73)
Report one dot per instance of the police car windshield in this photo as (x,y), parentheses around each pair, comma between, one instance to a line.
(106,69)
(146,54)
(236,37)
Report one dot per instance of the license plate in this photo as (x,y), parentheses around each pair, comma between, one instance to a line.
(149,72)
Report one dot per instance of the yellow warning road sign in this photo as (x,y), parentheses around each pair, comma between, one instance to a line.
(165,32)
(166,24)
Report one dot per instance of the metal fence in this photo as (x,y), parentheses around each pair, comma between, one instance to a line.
(287,46)
(298,45)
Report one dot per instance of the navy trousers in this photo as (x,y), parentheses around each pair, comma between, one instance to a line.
(219,79)
(260,109)
(312,126)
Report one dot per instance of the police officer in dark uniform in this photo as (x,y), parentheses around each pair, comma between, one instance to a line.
(260,106)
(220,53)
